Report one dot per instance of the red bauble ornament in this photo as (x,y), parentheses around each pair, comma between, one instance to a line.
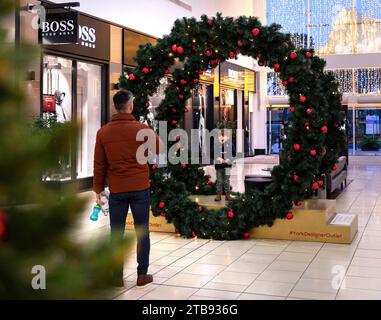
(246,235)
(290,216)
(261,63)
(307,124)
(209,182)
(302,99)
(291,80)
(299,204)
(177,138)
(183,82)
(334,168)
(174,48)
(162,214)
(154,166)
(285,83)
(183,165)
(2,224)
(167,71)
(180,50)
(239,43)
(174,122)
(308,54)
(181,97)
(186,110)
(131,77)
(174,110)
(313,152)
(210,22)
(200,208)
(193,234)
(147,104)
(195,81)
(293,55)
(309,111)
(292,109)
(296,147)
(161,205)
(231,55)
(320,183)
(200,72)
(336,125)
(276,67)
(231,214)
(315,186)
(255,32)
(145,70)
(324,129)
(208,53)
(296,178)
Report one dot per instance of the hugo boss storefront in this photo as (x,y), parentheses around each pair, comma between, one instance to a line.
(75,85)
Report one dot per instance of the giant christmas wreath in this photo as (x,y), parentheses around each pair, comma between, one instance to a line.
(312,144)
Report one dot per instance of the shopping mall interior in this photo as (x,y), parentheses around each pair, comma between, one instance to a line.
(328,246)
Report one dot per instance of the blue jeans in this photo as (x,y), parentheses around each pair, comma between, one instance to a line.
(140,204)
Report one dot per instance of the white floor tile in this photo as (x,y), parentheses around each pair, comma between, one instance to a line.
(270,288)
(235,278)
(204,269)
(281,276)
(189,280)
(251,296)
(311,295)
(247,267)
(217,294)
(164,292)
(357,294)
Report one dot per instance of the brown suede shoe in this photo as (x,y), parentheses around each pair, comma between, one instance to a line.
(143,280)
(218,197)
(228,196)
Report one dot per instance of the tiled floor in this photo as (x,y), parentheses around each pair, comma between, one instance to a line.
(267,269)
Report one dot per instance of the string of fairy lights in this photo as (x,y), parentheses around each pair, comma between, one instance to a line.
(332,27)
(351,81)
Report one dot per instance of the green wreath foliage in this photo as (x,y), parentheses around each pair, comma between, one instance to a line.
(314,138)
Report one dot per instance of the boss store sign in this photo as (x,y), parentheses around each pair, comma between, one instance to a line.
(60,28)
(76,33)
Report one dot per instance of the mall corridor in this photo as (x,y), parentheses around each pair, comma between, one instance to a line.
(266,269)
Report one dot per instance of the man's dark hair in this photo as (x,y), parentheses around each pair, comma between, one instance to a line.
(121,99)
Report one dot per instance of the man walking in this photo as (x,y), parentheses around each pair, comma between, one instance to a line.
(115,157)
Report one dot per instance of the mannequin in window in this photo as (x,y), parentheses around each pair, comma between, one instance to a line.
(198,103)
(61,114)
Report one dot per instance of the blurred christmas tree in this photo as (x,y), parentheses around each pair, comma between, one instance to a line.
(35,220)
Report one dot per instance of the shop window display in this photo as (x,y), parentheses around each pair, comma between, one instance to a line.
(57,104)
(227,105)
(57,88)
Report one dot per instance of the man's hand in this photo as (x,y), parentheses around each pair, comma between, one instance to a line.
(98,199)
